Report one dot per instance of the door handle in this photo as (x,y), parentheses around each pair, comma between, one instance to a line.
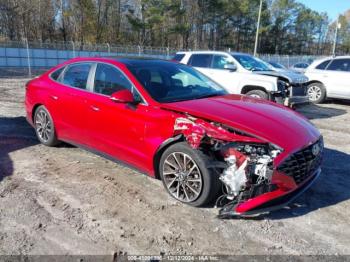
(95,108)
(54,97)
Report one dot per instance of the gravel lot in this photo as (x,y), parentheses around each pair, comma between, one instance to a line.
(68,201)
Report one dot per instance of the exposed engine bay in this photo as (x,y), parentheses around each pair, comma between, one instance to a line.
(245,163)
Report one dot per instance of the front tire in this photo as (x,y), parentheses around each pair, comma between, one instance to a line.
(44,127)
(186,175)
(258,94)
(316,93)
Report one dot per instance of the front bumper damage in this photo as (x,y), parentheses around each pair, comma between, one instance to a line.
(289,101)
(267,202)
(252,182)
(290,95)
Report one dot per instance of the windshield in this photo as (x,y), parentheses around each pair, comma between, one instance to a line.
(251,63)
(172,82)
(276,65)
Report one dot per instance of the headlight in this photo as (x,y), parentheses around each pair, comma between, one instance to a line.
(282,85)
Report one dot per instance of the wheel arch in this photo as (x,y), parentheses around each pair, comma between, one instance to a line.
(156,159)
(314,81)
(317,82)
(35,107)
(249,88)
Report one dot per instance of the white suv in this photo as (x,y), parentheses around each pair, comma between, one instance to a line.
(244,74)
(329,77)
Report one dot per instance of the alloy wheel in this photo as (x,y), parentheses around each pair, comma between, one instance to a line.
(314,93)
(182,177)
(43,125)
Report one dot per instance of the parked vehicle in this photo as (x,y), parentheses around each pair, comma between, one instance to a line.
(329,78)
(172,122)
(244,74)
(281,68)
(299,67)
(277,66)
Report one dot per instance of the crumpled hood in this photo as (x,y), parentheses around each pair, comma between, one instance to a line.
(292,77)
(266,120)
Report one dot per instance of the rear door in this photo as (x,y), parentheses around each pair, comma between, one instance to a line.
(337,77)
(70,102)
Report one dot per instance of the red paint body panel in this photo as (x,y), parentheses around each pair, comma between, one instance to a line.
(134,133)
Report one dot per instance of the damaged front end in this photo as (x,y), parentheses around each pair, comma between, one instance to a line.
(245,163)
(249,171)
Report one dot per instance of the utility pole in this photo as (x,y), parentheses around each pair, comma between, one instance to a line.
(257,30)
(337,26)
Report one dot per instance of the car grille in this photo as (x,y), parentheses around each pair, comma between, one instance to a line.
(302,164)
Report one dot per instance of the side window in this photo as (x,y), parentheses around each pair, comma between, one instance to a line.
(220,61)
(56,74)
(323,65)
(109,80)
(178,57)
(200,60)
(340,65)
(77,75)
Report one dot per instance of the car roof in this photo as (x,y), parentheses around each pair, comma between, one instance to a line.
(142,61)
(202,51)
(320,60)
(122,60)
(212,52)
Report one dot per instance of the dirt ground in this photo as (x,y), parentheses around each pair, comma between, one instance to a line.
(65,200)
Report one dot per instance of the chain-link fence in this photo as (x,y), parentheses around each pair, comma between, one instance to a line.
(32,58)
(28,59)
(289,60)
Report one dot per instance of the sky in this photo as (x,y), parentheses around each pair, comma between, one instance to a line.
(332,7)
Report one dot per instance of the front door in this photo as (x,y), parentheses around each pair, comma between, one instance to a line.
(337,77)
(114,128)
(213,66)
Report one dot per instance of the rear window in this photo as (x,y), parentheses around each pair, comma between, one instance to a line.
(56,74)
(77,75)
(178,57)
(323,65)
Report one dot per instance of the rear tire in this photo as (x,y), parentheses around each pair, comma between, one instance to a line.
(258,94)
(44,127)
(316,93)
(198,187)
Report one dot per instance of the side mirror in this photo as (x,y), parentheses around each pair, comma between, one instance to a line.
(122,96)
(231,67)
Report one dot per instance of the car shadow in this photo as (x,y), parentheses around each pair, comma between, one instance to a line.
(331,188)
(338,101)
(15,134)
(312,111)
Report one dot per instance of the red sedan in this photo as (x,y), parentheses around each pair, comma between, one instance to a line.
(173,123)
